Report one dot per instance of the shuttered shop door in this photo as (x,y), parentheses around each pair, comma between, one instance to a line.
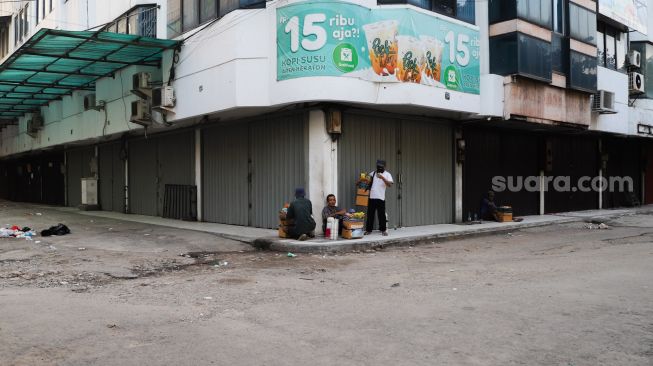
(176,158)
(78,166)
(225,174)
(143,177)
(499,153)
(426,174)
(112,178)
(364,140)
(278,166)
(155,162)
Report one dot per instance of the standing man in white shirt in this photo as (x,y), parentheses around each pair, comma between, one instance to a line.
(381,179)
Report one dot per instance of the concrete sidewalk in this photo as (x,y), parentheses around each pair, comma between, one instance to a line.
(268,239)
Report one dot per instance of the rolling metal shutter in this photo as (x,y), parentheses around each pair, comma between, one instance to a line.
(78,166)
(278,166)
(225,174)
(426,174)
(155,162)
(176,162)
(112,178)
(143,177)
(364,140)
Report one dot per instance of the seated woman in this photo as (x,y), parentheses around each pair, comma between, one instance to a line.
(489,208)
(331,210)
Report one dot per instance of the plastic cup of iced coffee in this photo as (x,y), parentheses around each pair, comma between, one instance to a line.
(410,59)
(382,45)
(433,49)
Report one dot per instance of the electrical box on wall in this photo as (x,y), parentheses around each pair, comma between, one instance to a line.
(334,122)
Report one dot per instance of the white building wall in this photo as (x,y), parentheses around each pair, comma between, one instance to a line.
(617,83)
(65,120)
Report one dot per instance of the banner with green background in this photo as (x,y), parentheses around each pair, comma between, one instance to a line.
(332,38)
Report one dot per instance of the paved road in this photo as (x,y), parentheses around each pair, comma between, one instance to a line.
(558,295)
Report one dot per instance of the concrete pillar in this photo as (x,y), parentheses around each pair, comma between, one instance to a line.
(458,180)
(542,190)
(198,171)
(322,163)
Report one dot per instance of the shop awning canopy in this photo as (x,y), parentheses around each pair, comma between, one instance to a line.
(54,63)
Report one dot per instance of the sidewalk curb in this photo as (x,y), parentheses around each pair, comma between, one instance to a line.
(285,245)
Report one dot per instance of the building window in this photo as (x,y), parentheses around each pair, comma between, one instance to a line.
(26,15)
(4,40)
(582,72)
(521,54)
(140,21)
(612,47)
(559,16)
(184,15)
(464,10)
(582,24)
(534,11)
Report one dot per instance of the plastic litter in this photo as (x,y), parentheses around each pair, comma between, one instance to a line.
(291,255)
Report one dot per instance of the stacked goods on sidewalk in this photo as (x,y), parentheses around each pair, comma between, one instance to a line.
(504,213)
(363,190)
(285,225)
(353,225)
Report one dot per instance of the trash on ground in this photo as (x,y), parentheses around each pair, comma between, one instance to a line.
(600,226)
(56,230)
(208,298)
(396,284)
(81,249)
(291,255)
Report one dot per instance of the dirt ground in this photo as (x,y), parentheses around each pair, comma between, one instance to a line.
(121,293)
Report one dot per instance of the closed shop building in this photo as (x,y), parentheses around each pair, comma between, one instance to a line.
(511,155)
(80,163)
(251,168)
(624,160)
(418,153)
(155,162)
(111,177)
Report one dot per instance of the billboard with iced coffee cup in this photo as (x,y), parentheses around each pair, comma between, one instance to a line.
(382,44)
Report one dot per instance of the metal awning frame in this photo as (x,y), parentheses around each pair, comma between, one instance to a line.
(40,89)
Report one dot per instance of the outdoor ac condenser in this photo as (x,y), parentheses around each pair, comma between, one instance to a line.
(163,97)
(635,83)
(141,113)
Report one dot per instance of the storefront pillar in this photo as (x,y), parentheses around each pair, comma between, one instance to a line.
(198,171)
(322,163)
(458,176)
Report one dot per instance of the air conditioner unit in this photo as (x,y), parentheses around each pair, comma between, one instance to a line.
(89,102)
(603,102)
(635,83)
(163,97)
(141,113)
(635,58)
(34,125)
(141,84)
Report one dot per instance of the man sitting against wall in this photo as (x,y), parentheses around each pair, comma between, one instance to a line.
(331,210)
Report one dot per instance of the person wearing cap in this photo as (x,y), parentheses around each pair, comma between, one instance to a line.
(301,210)
(381,179)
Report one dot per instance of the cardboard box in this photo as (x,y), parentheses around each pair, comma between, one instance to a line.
(282,232)
(352,225)
(352,234)
(362,200)
(362,192)
(504,216)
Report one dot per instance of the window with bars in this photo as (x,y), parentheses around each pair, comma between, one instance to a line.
(140,21)
(184,15)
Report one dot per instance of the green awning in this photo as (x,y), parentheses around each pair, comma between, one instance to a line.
(54,63)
